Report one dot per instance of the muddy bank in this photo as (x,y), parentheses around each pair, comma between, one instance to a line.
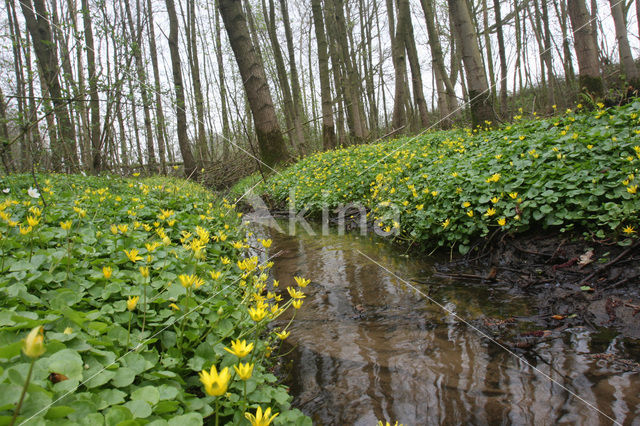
(571,281)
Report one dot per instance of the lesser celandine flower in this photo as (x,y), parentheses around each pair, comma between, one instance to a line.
(144,271)
(257,314)
(502,221)
(244,370)
(215,274)
(107,271)
(302,282)
(25,231)
(266,243)
(260,419)
(296,303)
(296,294)
(215,384)
(629,230)
(133,255)
(68,330)
(174,306)
(132,302)
(33,221)
(66,225)
(283,334)
(186,280)
(240,348)
(33,344)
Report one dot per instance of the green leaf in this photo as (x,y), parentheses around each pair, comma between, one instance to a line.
(67,362)
(149,394)
(139,409)
(191,419)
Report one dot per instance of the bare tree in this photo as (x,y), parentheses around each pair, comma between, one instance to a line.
(586,49)
(190,166)
(269,135)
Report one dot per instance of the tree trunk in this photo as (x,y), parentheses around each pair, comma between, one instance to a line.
(226,129)
(281,70)
(503,59)
(586,51)
(190,166)
(136,36)
(47,57)
(438,64)
(396,33)
(412,55)
(201,138)
(94,105)
(328,128)
(482,112)
(628,64)
(270,140)
(160,124)
(296,91)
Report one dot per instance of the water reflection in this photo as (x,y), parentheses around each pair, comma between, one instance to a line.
(367,347)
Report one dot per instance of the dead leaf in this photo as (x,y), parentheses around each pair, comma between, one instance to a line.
(557,317)
(586,258)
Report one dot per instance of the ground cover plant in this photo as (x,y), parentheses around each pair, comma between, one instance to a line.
(446,188)
(128,301)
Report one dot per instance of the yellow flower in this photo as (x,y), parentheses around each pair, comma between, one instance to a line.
(144,271)
(502,221)
(260,419)
(68,330)
(244,370)
(174,306)
(420,207)
(470,213)
(466,204)
(123,228)
(240,348)
(632,189)
(257,314)
(490,211)
(215,274)
(225,260)
(133,255)
(33,221)
(186,280)
(25,231)
(295,294)
(302,282)
(215,384)
(513,195)
(132,302)
(198,282)
(297,303)
(276,283)
(446,223)
(266,243)
(33,344)
(283,335)
(495,200)
(107,271)
(629,230)
(66,225)
(80,212)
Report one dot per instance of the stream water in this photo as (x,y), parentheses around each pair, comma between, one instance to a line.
(366,346)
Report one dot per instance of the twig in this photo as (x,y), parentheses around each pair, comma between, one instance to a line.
(611,263)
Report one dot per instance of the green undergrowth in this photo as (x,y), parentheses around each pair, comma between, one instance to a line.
(576,170)
(138,286)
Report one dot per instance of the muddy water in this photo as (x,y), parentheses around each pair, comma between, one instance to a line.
(365,346)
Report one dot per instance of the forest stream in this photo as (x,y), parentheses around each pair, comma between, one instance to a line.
(366,346)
